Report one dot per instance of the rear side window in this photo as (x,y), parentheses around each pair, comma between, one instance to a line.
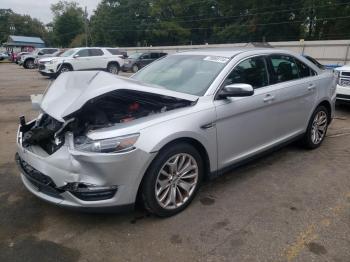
(96,52)
(114,51)
(304,70)
(251,71)
(284,68)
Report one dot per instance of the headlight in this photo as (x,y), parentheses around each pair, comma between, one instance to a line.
(110,145)
(52,61)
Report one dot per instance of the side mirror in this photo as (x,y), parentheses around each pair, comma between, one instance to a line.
(75,56)
(236,90)
(40,53)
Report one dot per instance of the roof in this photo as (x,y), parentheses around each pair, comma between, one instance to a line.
(26,39)
(224,52)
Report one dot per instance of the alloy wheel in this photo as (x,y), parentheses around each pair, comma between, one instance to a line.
(176,181)
(319,127)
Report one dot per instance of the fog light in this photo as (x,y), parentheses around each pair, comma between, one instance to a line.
(88,192)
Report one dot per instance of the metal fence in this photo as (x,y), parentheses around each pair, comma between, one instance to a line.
(335,52)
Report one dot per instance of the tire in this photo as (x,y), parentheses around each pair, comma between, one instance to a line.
(64,68)
(162,204)
(317,128)
(113,68)
(29,64)
(135,68)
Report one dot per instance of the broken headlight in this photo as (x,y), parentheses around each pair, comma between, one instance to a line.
(110,145)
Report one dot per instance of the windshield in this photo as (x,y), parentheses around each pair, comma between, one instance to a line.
(190,74)
(135,55)
(68,53)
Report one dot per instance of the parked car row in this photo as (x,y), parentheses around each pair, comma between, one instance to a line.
(53,61)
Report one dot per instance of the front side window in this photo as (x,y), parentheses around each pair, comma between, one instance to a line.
(145,56)
(284,68)
(154,55)
(252,71)
(83,53)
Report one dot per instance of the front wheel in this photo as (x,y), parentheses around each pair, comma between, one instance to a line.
(317,128)
(135,68)
(172,180)
(29,64)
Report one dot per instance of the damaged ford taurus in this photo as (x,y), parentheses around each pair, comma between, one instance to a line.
(103,142)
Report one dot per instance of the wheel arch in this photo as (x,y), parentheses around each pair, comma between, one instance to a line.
(192,141)
(66,64)
(113,62)
(328,106)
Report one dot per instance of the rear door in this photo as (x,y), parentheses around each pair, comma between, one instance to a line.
(98,60)
(295,85)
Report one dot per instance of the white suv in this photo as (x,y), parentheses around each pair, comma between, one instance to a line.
(87,58)
(343,86)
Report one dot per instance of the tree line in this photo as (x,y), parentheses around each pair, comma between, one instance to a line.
(175,22)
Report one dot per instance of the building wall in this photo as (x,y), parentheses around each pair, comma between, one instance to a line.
(326,52)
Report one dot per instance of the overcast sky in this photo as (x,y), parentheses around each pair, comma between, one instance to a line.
(41,8)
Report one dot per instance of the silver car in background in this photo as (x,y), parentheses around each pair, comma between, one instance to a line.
(103,141)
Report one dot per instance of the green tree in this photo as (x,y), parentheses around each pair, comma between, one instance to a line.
(68,22)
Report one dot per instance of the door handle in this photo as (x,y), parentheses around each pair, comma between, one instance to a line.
(269,98)
(311,87)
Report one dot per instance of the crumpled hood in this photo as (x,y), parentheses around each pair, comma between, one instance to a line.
(71,90)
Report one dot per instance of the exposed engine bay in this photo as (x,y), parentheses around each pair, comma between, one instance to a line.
(116,107)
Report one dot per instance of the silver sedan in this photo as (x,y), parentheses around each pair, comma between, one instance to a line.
(103,142)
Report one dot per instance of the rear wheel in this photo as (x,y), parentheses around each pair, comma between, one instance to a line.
(113,68)
(317,128)
(172,180)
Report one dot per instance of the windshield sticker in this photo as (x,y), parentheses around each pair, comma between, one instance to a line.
(217,59)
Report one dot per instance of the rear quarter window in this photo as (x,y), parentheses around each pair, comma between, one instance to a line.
(114,51)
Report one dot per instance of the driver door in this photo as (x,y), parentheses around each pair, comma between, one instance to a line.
(245,125)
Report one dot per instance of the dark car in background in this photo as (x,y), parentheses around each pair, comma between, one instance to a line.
(138,60)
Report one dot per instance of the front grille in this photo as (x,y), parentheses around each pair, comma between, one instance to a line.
(42,182)
(343,96)
(344,82)
(345,73)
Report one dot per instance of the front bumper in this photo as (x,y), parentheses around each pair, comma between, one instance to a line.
(127,67)
(343,93)
(47,69)
(68,165)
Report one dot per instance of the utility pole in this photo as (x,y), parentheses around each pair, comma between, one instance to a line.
(86,26)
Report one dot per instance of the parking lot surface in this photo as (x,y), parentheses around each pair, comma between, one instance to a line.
(292,205)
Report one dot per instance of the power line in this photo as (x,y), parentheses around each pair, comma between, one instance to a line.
(243,25)
(236,16)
